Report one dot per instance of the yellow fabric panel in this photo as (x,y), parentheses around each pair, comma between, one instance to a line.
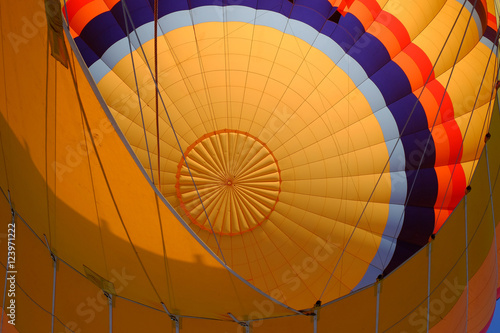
(359,309)
(86,229)
(131,317)
(471,122)
(36,215)
(449,246)
(479,214)
(480,245)
(16,107)
(482,286)
(395,300)
(382,3)
(474,141)
(416,15)
(494,156)
(73,210)
(466,88)
(91,233)
(329,82)
(177,244)
(497,15)
(34,203)
(432,38)
(24,141)
(301,140)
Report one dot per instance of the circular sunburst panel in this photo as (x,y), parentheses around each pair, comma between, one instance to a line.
(229,182)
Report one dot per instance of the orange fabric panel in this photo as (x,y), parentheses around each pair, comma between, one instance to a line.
(391,32)
(79,303)
(411,68)
(366,11)
(448,130)
(386,36)
(40,320)
(455,320)
(344,5)
(441,216)
(192,325)
(33,259)
(443,102)
(6,327)
(5,219)
(451,188)
(364,14)
(423,63)
(498,258)
(81,12)
(111,3)
(3,172)
(85,14)
(428,100)
(131,317)
(492,20)
(70,11)
(448,296)
(482,287)
(397,28)
(355,313)
(481,303)
(295,324)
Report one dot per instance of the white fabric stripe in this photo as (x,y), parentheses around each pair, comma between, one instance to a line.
(489,44)
(469,6)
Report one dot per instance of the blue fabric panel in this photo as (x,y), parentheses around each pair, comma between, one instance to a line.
(370,53)
(308,16)
(323,7)
(419,150)
(108,30)
(408,112)
(392,82)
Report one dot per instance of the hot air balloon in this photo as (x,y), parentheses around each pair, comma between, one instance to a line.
(249,165)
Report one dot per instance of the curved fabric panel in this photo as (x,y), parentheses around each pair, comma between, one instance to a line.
(92,224)
(301,133)
(300,81)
